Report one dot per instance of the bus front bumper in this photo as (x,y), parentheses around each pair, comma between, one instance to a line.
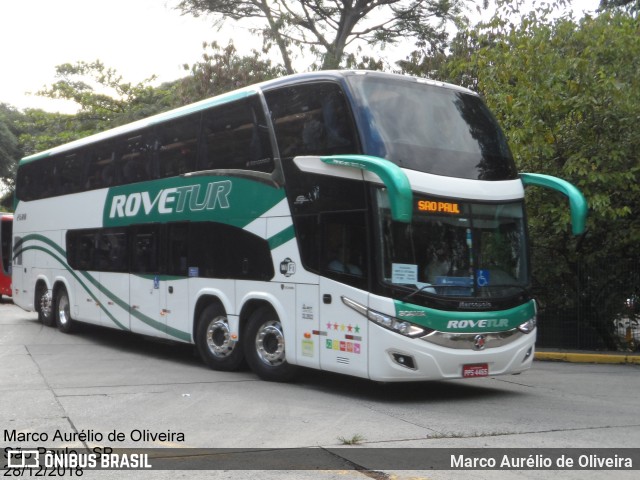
(400,358)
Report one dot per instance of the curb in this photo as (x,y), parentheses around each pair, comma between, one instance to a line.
(588,357)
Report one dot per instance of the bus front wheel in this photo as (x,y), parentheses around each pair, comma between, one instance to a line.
(215,343)
(64,322)
(265,348)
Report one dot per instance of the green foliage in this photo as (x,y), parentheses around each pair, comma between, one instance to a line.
(9,152)
(629,5)
(40,130)
(222,70)
(103,97)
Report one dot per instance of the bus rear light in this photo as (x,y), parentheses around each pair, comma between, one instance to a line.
(387,321)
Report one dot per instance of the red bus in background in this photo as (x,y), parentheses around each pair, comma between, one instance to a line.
(6,228)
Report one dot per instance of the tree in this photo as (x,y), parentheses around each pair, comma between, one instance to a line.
(631,5)
(104,99)
(9,154)
(327,28)
(221,70)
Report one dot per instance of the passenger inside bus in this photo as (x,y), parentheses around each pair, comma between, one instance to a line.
(341,262)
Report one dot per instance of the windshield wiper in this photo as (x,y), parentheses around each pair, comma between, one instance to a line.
(418,290)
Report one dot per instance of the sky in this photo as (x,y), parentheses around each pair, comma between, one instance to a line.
(139,38)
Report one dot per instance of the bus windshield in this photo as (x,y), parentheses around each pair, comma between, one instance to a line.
(429,128)
(455,249)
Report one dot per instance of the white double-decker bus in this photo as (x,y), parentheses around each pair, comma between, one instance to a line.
(357,222)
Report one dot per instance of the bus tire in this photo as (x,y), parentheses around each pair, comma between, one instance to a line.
(64,322)
(213,339)
(265,348)
(44,306)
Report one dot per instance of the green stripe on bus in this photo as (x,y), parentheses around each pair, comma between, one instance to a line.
(281,238)
(73,273)
(233,201)
(90,278)
(465,322)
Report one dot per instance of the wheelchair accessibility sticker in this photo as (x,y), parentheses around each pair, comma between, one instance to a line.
(482,277)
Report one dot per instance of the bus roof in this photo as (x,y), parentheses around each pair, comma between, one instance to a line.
(234,95)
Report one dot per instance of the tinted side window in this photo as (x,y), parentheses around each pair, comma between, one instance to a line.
(335,245)
(80,249)
(177,249)
(177,146)
(98,250)
(35,180)
(312,119)
(144,249)
(101,167)
(69,172)
(313,193)
(344,244)
(308,237)
(136,161)
(235,136)
(111,253)
(223,251)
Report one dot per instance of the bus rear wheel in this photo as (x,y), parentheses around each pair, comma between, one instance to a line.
(217,348)
(44,305)
(265,347)
(64,322)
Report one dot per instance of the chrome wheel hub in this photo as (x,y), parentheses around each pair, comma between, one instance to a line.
(219,339)
(63,310)
(45,304)
(270,343)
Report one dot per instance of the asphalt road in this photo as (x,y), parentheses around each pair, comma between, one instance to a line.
(100,382)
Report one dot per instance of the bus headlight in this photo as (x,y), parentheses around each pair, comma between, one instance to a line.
(528,326)
(387,321)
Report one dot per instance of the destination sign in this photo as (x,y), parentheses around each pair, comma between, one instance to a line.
(434,206)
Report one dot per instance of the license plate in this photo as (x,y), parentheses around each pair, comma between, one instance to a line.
(474,371)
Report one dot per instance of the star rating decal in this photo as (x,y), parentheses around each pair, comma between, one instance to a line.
(343,328)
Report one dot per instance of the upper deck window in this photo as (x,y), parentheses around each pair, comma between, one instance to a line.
(429,128)
(311,119)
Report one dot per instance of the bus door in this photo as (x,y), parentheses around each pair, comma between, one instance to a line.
(145,297)
(174,287)
(344,267)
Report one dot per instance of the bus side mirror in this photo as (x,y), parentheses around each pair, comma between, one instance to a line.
(577,202)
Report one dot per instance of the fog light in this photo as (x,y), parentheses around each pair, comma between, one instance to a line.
(404,360)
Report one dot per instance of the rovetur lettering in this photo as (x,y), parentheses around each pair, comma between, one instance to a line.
(172,200)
